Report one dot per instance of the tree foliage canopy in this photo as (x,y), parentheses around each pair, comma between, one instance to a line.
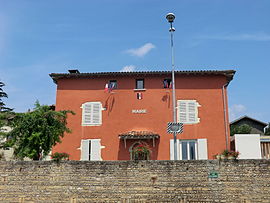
(242,129)
(3,107)
(35,133)
(5,112)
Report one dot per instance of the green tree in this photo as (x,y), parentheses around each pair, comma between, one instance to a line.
(242,129)
(5,113)
(34,133)
(3,107)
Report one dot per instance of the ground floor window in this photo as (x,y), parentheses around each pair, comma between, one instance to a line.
(189,149)
(90,150)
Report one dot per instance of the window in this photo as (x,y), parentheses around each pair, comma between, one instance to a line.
(189,149)
(90,150)
(187,111)
(91,114)
(167,83)
(140,84)
(112,84)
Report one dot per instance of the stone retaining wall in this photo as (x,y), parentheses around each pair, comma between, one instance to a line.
(129,181)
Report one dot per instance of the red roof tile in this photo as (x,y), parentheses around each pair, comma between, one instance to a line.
(138,135)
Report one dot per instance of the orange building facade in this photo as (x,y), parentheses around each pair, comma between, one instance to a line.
(119,112)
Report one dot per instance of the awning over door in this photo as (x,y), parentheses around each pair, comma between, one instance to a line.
(139,135)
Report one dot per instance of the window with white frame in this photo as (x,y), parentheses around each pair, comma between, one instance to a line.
(187,111)
(90,150)
(91,114)
(189,149)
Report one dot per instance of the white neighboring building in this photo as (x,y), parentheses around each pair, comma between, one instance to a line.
(7,154)
(251,146)
(248,145)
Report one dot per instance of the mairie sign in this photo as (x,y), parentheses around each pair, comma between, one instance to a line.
(175,128)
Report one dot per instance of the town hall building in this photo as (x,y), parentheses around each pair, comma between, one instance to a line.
(121,115)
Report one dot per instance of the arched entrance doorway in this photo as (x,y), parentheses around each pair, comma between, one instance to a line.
(136,145)
(139,151)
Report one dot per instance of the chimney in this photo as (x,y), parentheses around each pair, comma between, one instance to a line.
(74,71)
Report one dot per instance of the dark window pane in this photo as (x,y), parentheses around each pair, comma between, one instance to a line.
(113,84)
(192,150)
(167,83)
(89,150)
(140,84)
(184,151)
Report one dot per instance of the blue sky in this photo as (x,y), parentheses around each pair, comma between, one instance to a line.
(40,37)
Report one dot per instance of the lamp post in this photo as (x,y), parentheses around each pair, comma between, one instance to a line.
(170,17)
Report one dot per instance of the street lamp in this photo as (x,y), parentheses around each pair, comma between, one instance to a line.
(170,17)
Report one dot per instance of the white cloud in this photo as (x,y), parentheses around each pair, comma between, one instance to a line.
(236,110)
(259,36)
(129,68)
(141,51)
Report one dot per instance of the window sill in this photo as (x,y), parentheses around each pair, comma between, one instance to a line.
(91,124)
(189,123)
(139,90)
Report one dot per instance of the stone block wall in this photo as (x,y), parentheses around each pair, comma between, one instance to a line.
(130,181)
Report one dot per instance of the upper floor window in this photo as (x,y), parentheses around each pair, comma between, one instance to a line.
(187,111)
(139,83)
(91,113)
(167,83)
(112,84)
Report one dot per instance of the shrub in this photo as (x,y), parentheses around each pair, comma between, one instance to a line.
(60,156)
(242,129)
(234,154)
(225,153)
(141,152)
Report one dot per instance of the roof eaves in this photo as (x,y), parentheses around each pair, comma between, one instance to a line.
(245,116)
(227,73)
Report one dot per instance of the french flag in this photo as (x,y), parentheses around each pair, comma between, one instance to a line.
(106,87)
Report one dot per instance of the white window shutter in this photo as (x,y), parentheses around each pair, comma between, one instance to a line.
(96,113)
(172,149)
(188,111)
(191,108)
(178,149)
(92,113)
(86,114)
(182,111)
(202,149)
(84,150)
(95,150)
